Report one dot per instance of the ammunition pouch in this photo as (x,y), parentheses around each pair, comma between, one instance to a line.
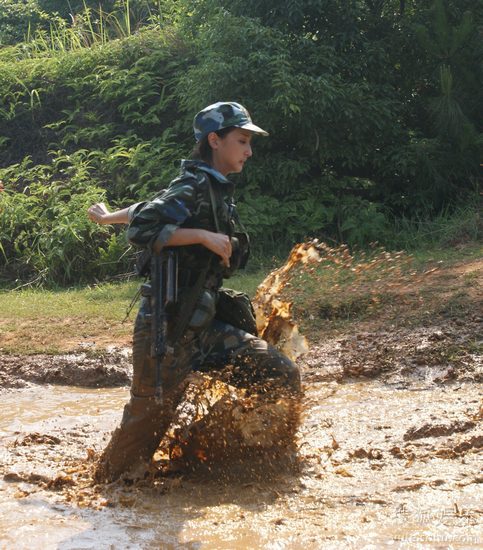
(236,309)
(204,311)
(143,263)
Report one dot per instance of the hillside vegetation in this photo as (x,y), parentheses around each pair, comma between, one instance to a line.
(372,108)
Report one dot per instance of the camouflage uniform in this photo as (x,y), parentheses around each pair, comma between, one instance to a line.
(207,343)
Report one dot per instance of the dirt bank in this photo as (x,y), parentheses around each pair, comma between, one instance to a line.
(107,368)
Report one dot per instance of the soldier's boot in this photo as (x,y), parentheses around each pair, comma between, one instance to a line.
(143,425)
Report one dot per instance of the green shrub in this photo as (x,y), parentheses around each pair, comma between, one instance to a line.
(372,109)
(45,234)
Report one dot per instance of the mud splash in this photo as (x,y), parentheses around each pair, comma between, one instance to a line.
(389,454)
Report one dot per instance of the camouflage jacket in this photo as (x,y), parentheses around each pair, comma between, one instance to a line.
(185,203)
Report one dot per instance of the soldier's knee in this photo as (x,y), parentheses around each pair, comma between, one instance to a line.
(281,369)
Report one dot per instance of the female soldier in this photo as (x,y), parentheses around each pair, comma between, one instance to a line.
(196,215)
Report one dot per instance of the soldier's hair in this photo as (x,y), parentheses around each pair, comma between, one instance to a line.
(203,151)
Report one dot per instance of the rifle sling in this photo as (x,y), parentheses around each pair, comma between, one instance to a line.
(214,204)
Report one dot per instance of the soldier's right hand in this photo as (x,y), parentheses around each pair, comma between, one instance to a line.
(218,243)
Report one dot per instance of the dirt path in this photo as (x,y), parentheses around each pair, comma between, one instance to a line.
(389,451)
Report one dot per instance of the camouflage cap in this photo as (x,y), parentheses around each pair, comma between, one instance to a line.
(224,114)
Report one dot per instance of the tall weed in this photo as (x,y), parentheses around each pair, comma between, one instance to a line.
(45,234)
(446,230)
(88,27)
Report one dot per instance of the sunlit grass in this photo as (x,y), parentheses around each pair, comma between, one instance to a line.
(469,251)
(52,321)
(108,300)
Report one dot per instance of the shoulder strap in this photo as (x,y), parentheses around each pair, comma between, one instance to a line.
(213,204)
(236,217)
(203,176)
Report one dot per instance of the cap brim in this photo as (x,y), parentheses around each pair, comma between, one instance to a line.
(255,129)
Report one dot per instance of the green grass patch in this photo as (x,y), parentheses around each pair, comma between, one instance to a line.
(106,300)
(471,250)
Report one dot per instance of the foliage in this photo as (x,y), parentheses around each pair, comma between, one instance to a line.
(44,231)
(21,19)
(372,107)
(16,17)
(445,231)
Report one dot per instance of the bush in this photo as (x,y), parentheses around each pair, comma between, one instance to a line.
(372,109)
(45,234)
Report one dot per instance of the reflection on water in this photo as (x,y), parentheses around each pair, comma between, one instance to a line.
(22,410)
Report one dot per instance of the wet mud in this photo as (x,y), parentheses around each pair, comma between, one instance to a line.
(108,368)
(388,454)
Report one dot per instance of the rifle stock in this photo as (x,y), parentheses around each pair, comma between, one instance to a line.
(164,292)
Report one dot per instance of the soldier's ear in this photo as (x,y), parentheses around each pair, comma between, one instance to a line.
(213,140)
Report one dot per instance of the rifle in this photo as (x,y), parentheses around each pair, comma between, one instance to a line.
(164,293)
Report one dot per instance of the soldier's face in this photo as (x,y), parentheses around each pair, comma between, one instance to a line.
(231,151)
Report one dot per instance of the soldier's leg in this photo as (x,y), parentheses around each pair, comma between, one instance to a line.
(272,417)
(145,419)
(253,361)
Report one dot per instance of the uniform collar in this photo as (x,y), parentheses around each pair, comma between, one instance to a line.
(205,167)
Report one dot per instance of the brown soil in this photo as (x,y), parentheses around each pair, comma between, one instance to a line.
(101,369)
(57,335)
(389,450)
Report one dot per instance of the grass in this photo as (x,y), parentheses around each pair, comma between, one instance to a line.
(92,27)
(53,321)
(445,231)
(107,300)
(448,254)
(385,288)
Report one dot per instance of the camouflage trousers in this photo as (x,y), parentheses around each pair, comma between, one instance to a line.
(146,419)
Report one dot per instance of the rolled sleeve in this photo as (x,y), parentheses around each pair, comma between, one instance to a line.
(157,220)
(133,210)
(164,235)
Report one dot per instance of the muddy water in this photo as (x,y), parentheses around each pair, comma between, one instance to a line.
(380,466)
(41,427)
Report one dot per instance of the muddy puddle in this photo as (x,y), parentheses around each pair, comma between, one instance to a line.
(380,465)
(388,455)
